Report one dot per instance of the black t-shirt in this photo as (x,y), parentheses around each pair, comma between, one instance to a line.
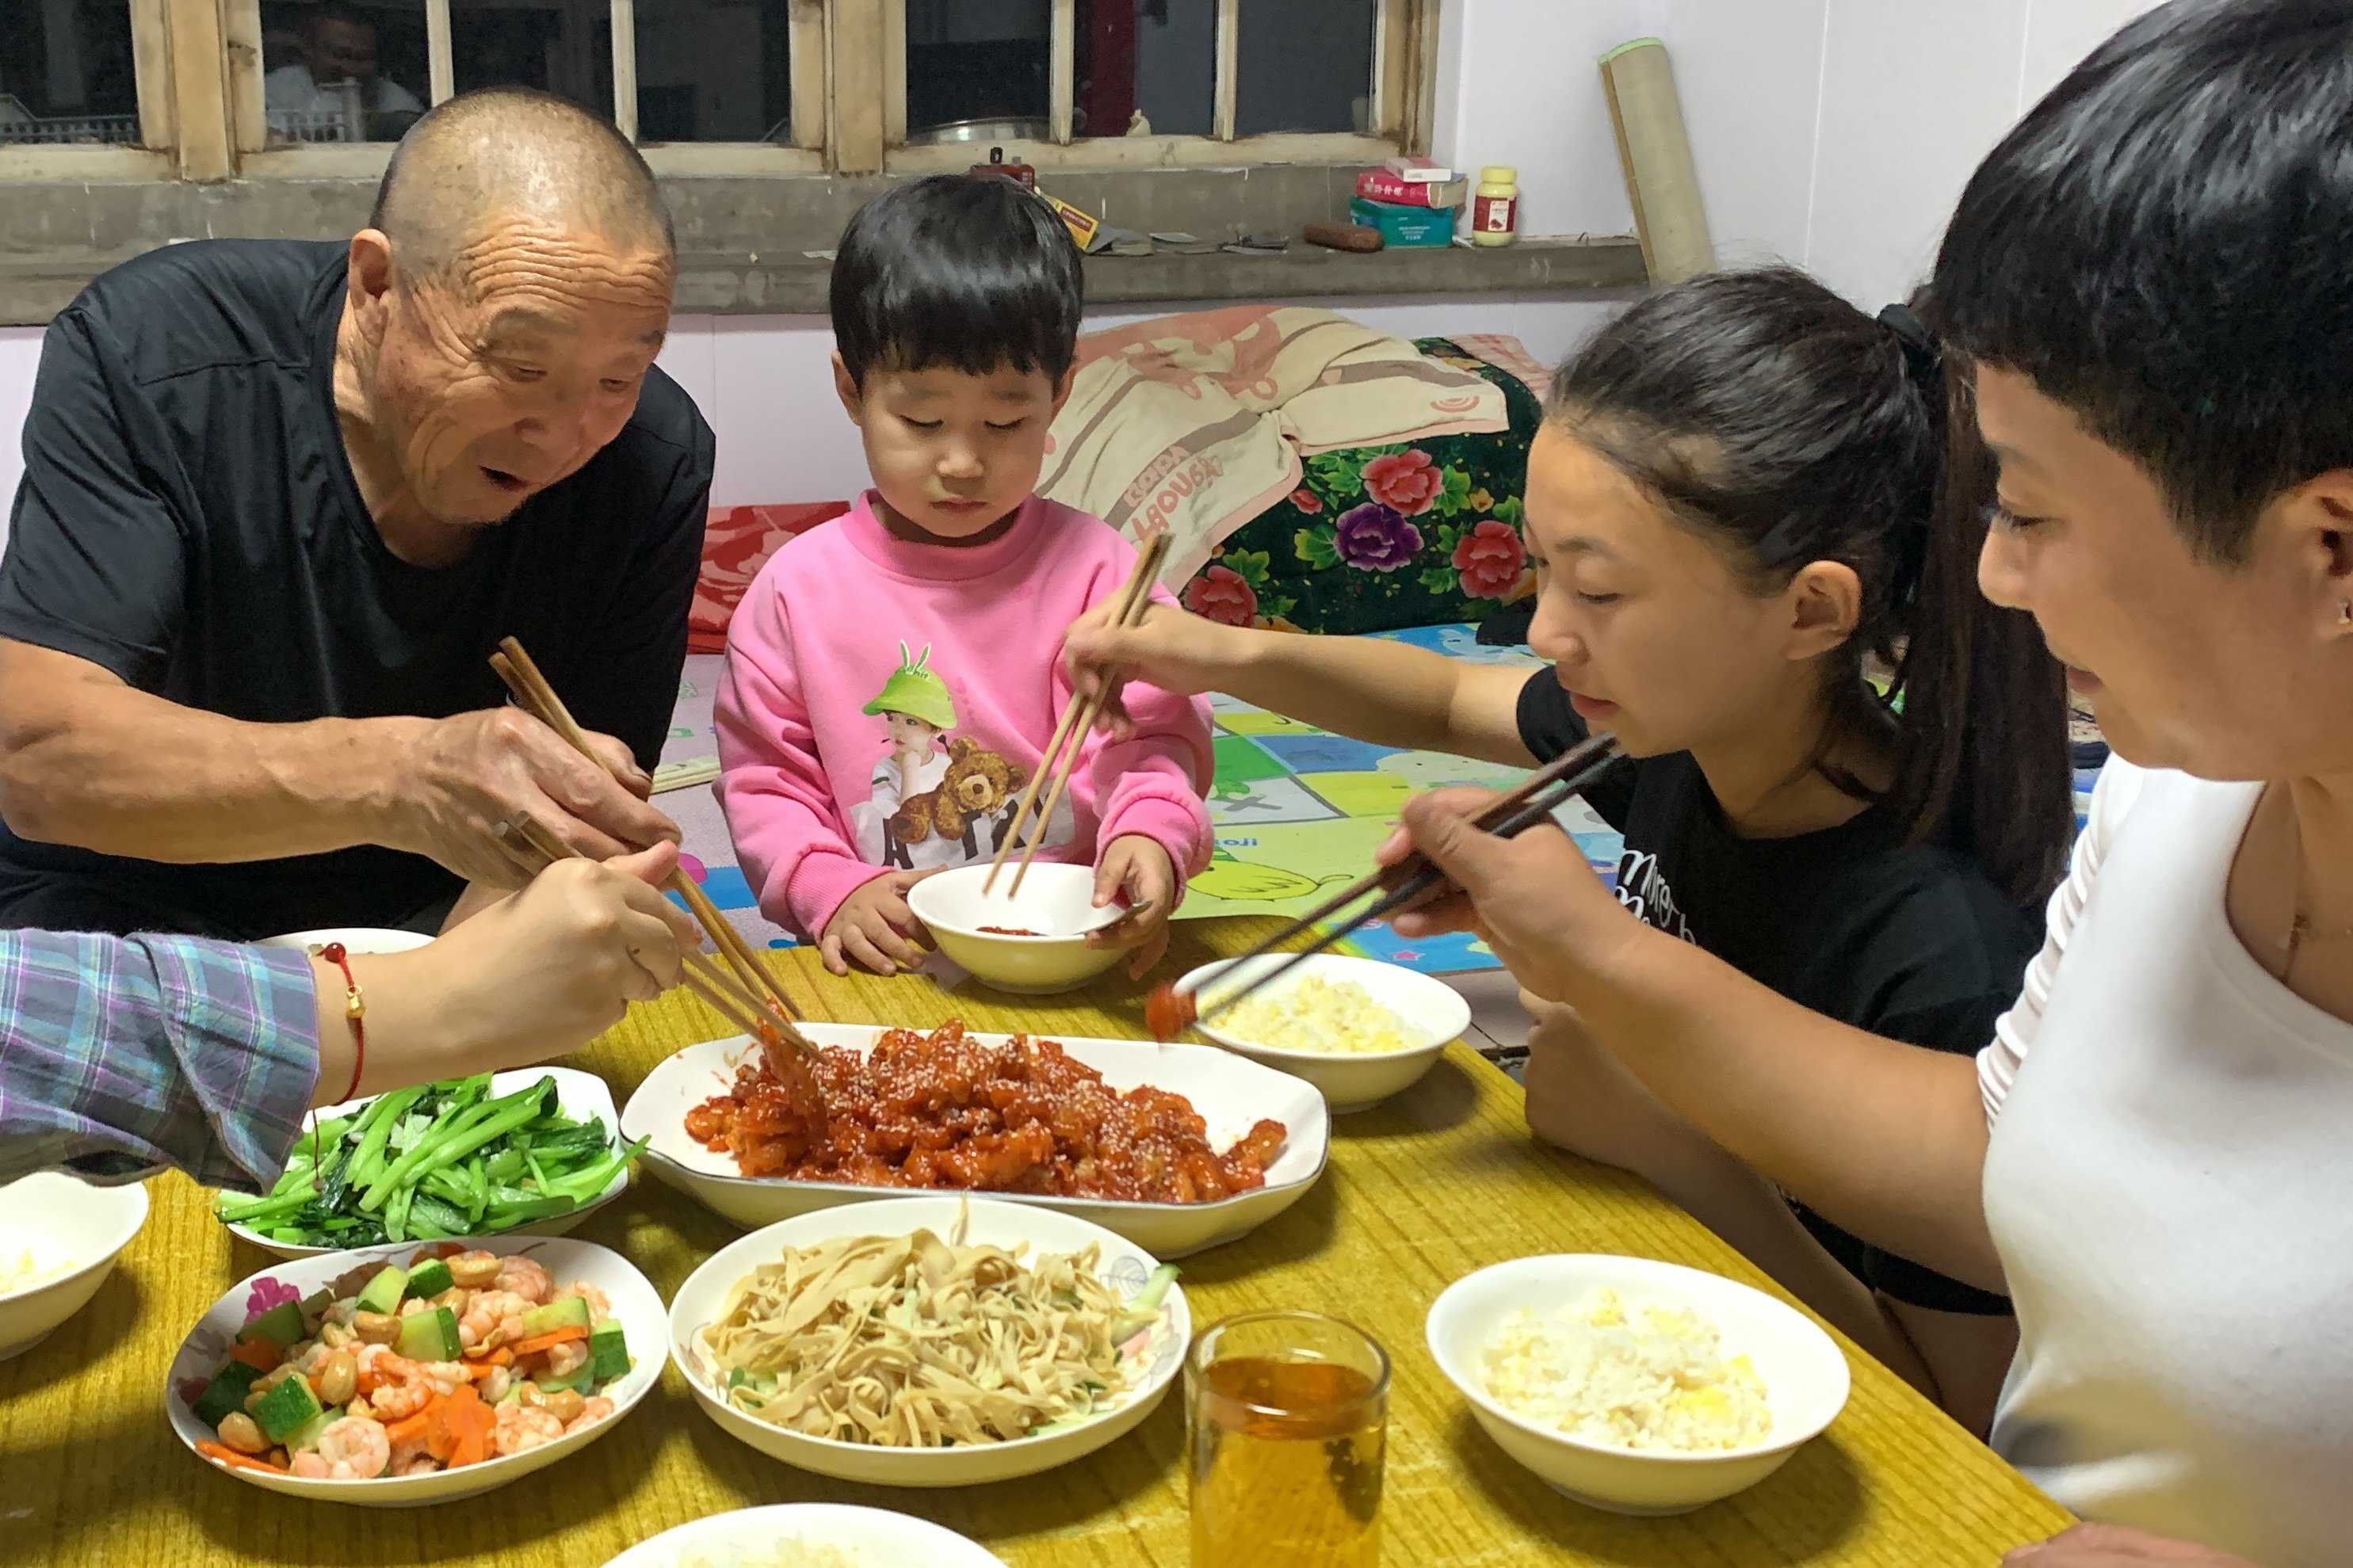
(189,521)
(1908,941)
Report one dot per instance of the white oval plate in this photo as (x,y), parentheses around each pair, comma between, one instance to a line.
(1123,1265)
(63,1222)
(355,938)
(581,1094)
(635,1303)
(1353,1080)
(1229,1093)
(751,1537)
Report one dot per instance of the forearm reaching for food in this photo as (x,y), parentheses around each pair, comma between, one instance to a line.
(1884,1140)
(89,761)
(1389,693)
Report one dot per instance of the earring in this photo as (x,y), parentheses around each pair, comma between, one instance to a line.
(2345,614)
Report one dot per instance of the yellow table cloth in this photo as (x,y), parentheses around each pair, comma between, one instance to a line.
(1419,1192)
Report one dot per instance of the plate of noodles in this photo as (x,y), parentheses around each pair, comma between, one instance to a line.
(930,1342)
(807,1535)
(1177,1148)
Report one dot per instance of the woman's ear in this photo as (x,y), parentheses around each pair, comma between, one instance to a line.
(1825,604)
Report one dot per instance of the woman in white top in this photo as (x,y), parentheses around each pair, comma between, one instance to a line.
(2153,275)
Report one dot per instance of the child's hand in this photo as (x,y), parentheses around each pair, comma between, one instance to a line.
(1135,866)
(874,926)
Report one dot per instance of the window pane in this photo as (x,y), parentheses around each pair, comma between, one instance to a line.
(563,46)
(1304,64)
(336,72)
(65,72)
(714,70)
(980,65)
(1156,58)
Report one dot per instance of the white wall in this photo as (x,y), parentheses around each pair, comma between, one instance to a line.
(1837,134)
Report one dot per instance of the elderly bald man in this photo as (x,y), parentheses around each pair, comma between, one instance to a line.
(280,501)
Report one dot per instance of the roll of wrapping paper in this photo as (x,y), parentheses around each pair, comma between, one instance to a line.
(1655,151)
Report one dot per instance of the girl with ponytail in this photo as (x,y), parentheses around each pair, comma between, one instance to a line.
(1755,513)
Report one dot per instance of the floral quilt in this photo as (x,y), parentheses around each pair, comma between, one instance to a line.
(1414,534)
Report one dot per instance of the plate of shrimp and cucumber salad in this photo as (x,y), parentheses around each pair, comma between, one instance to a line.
(408,1374)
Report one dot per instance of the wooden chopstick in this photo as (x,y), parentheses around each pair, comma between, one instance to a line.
(1139,581)
(1135,600)
(1531,801)
(537,848)
(531,689)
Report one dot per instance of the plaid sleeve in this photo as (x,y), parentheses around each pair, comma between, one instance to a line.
(124,1054)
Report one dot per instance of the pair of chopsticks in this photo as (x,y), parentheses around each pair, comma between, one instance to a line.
(748,997)
(1532,801)
(1135,599)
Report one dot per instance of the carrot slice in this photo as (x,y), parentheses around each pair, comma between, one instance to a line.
(261,1355)
(419,1427)
(228,1456)
(481,1362)
(549,1341)
(467,1421)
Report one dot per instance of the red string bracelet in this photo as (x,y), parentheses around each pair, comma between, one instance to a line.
(354,1010)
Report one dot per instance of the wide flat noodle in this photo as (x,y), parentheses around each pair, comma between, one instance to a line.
(914,1342)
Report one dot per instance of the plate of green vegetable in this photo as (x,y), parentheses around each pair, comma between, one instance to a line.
(530,1152)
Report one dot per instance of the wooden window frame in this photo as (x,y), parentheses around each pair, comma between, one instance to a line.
(151,56)
(805,156)
(871,132)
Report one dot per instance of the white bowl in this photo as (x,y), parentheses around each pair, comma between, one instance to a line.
(1805,1377)
(61,1222)
(1123,1265)
(355,938)
(1229,1094)
(869,1537)
(581,1094)
(635,1303)
(1433,1011)
(1056,902)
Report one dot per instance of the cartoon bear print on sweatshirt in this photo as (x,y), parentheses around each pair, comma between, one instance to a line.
(939,799)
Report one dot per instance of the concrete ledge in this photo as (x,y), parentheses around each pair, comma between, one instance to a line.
(748,284)
(742,239)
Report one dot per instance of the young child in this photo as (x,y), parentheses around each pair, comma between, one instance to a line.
(893,676)
(1743,487)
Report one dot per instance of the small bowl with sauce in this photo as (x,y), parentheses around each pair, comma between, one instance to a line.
(1033,943)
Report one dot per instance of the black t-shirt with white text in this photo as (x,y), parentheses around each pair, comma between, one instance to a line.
(1907,942)
(189,521)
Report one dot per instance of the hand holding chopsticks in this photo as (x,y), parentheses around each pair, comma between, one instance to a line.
(1078,720)
(749,998)
(1410,881)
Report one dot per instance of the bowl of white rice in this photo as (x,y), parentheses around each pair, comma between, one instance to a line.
(1636,1387)
(807,1535)
(58,1238)
(1357,1029)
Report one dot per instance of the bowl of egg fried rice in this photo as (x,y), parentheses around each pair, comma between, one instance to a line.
(1359,1030)
(1636,1387)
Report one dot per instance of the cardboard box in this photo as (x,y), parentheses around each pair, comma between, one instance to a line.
(1381,186)
(1404,225)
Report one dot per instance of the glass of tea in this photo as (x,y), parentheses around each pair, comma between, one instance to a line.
(1286,1420)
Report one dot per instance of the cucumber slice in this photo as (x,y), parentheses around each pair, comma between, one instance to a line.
(282,1326)
(428,1280)
(429,1336)
(284,1408)
(383,1293)
(563,1312)
(226,1393)
(608,1353)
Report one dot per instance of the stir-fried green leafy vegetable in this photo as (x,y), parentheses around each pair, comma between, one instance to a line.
(426,1164)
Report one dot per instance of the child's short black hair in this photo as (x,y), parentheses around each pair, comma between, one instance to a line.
(2165,244)
(952,270)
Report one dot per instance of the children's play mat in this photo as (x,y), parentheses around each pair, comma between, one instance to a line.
(1298,811)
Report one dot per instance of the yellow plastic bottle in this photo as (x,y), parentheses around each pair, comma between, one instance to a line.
(1496,206)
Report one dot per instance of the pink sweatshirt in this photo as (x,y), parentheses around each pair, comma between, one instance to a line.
(885,703)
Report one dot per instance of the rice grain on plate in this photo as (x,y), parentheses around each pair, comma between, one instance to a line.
(1650,1377)
(1336,1017)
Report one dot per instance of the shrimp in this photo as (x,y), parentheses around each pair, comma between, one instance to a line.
(491,1318)
(521,1429)
(446,1376)
(495,1384)
(597,1409)
(352,1449)
(563,1360)
(600,1306)
(525,1278)
(403,1388)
